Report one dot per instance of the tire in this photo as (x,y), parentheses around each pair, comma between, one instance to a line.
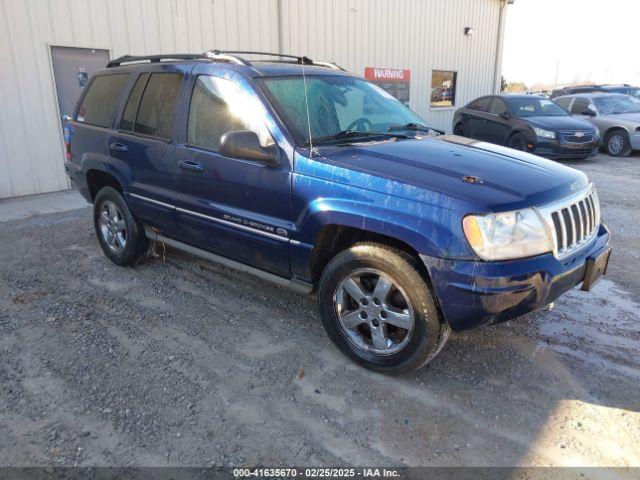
(617,143)
(410,302)
(459,130)
(517,142)
(119,233)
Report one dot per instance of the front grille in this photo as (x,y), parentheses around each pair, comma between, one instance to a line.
(573,223)
(576,136)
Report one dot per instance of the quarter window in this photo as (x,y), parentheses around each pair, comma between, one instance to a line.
(219,106)
(101,100)
(130,111)
(158,104)
(443,88)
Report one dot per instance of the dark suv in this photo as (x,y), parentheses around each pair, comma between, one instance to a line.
(315,179)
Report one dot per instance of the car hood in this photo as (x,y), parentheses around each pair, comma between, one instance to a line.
(558,123)
(506,179)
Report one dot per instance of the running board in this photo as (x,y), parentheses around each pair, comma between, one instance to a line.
(292,283)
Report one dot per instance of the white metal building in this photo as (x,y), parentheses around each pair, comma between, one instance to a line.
(439,51)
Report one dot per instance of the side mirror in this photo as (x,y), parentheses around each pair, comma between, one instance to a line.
(505,115)
(245,144)
(588,112)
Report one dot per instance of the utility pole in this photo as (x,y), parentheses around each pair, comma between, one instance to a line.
(557,70)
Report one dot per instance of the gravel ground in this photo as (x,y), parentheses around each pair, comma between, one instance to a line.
(181,362)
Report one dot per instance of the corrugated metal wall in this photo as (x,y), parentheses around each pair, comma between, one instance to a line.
(417,34)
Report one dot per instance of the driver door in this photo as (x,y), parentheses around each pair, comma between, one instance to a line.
(236,208)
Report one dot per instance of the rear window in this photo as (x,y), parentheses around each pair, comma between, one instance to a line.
(158,104)
(99,103)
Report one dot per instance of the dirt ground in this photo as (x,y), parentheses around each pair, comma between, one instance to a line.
(181,362)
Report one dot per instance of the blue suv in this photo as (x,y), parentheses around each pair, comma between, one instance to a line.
(308,176)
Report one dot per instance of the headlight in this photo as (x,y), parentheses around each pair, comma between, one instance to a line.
(541,132)
(501,236)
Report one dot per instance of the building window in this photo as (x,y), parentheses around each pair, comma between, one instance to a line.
(443,88)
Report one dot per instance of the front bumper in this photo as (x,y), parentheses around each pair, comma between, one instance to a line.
(476,293)
(555,149)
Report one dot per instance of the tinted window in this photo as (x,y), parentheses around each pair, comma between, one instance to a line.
(564,102)
(219,106)
(580,105)
(481,104)
(130,111)
(498,107)
(443,88)
(155,115)
(99,104)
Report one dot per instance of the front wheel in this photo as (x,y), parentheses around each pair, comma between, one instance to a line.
(379,310)
(518,142)
(617,143)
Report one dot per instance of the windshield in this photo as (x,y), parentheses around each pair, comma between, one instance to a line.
(336,104)
(616,104)
(535,107)
(633,91)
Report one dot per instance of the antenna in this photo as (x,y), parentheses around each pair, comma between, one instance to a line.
(306,101)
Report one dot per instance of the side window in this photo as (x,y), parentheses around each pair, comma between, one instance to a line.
(564,102)
(130,111)
(158,104)
(580,105)
(498,107)
(481,104)
(99,103)
(219,106)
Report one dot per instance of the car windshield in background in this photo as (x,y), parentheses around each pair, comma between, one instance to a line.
(615,104)
(340,108)
(633,91)
(535,107)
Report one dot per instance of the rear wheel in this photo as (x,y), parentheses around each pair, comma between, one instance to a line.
(379,311)
(617,143)
(120,234)
(518,142)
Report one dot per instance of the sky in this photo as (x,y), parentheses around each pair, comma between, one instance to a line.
(588,40)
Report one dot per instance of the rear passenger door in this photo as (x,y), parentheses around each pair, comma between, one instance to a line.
(144,145)
(477,121)
(240,209)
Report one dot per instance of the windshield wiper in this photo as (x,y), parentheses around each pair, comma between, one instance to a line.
(349,134)
(416,127)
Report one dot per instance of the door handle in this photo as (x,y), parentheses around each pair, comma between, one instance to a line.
(119,147)
(189,165)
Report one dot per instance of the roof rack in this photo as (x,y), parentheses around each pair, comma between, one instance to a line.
(233,56)
(154,58)
(230,56)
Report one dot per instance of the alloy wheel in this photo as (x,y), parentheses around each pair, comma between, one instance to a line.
(112,227)
(616,144)
(374,312)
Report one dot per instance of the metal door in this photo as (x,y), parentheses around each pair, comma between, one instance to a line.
(72,68)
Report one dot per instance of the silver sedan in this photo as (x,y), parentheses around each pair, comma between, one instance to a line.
(617,116)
